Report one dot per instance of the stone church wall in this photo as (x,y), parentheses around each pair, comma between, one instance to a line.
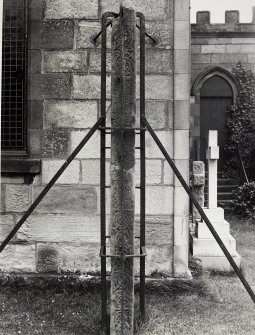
(63,234)
(218,45)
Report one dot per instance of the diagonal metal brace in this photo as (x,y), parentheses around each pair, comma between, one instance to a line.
(200,210)
(51,183)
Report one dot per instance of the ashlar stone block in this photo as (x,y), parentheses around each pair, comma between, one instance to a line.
(67,199)
(70,114)
(89,87)
(17,198)
(57,9)
(65,61)
(69,176)
(18,258)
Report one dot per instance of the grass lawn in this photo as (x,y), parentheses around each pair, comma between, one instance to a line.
(211,304)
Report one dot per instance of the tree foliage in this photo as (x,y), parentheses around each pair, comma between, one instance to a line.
(241,125)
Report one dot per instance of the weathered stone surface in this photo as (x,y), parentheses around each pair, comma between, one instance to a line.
(202,231)
(46,258)
(229,58)
(168,175)
(157,61)
(181,144)
(86,32)
(232,16)
(56,86)
(153,10)
(181,256)
(219,263)
(95,61)
(199,179)
(61,228)
(34,61)
(34,141)
(182,10)
(89,87)
(203,17)
(157,87)
(79,257)
(70,114)
(153,171)
(181,86)
(70,176)
(183,166)
(2,198)
(159,259)
(198,58)
(67,199)
(65,61)
(36,9)
(181,202)
(54,143)
(181,34)
(181,114)
(198,167)
(195,49)
(92,147)
(181,61)
(210,247)
(156,113)
(18,258)
(152,150)
(35,34)
(35,114)
(209,49)
(159,200)
(163,32)
(17,198)
(153,110)
(58,34)
(57,9)
(6,225)
(35,86)
(181,230)
(91,172)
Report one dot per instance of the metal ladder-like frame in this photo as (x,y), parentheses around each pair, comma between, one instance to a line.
(144,124)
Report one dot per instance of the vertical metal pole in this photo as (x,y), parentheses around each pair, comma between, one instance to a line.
(142,157)
(102,176)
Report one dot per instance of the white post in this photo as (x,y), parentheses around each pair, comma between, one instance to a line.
(212,156)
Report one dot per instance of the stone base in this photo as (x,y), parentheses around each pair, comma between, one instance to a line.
(210,248)
(204,246)
(219,263)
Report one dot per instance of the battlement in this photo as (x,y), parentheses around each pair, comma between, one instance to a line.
(232,23)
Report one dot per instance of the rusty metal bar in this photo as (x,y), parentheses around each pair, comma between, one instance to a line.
(200,210)
(102,172)
(146,34)
(142,165)
(51,183)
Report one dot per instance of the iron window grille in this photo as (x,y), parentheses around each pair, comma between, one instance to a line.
(14,76)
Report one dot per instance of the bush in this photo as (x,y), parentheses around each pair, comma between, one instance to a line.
(241,126)
(244,200)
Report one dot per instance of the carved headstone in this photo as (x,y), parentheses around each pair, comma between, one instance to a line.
(122,171)
(198,183)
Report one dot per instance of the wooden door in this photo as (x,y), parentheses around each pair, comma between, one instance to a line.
(215,95)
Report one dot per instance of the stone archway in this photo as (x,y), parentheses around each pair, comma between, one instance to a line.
(213,90)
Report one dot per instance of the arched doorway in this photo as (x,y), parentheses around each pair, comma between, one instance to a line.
(215,96)
(214,89)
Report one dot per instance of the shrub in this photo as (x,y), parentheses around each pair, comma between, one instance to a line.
(244,200)
(241,125)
